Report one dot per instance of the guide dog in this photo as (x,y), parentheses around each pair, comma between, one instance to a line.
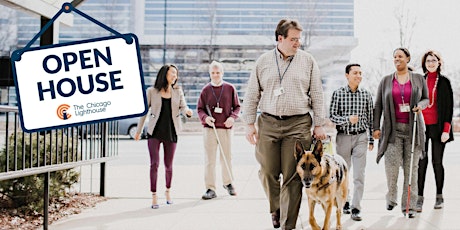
(325,178)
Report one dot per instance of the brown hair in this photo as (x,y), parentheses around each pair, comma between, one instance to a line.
(434,54)
(284,25)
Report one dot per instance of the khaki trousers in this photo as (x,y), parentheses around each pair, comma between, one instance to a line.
(275,154)
(211,148)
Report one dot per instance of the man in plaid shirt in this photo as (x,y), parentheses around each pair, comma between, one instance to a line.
(352,112)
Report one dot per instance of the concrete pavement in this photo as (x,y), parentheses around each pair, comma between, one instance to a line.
(128,206)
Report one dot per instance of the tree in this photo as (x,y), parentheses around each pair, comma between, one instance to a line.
(213,23)
(307,13)
(407,21)
(8,30)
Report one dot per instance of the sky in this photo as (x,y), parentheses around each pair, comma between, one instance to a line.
(437,26)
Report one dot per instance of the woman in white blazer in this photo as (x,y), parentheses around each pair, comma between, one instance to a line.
(165,101)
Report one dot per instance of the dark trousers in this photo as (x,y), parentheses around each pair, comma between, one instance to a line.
(437,152)
(169,148)
(275,154)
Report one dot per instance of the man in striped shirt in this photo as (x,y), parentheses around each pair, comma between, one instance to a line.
(286,87)
(352,112)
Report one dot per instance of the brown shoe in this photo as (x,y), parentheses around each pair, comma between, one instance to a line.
(276,219)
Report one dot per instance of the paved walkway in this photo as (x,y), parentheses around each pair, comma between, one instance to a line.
(129,197)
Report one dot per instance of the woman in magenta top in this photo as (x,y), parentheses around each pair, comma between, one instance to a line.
(438,121)
(399,95)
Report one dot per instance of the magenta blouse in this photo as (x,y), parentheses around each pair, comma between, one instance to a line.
(401,94)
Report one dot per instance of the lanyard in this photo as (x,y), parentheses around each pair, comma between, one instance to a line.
(401,88)
(278,67)
(213,93)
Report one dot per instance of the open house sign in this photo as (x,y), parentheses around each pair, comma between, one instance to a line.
(80,82)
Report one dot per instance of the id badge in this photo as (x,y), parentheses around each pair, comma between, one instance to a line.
(217,110)
(278,91)
(404,108)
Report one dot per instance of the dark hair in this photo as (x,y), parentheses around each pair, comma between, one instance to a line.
(348,67)
(434,54)
(404,50)
(284,25)
(162,82)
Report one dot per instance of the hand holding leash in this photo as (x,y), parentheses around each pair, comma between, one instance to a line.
(319,133)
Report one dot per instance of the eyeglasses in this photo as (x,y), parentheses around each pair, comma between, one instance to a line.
(296,40)
(431,61)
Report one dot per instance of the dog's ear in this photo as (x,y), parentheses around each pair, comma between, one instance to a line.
(299,150)
(318,150)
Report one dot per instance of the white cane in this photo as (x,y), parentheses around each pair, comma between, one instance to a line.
(411,164)
(220,145)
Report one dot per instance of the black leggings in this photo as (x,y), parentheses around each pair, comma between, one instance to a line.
(437,152)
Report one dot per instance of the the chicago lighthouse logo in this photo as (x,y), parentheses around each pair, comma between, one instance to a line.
(62,112)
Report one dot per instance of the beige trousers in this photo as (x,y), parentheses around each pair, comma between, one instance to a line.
(212,149)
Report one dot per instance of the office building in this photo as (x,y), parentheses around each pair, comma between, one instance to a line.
(191,33)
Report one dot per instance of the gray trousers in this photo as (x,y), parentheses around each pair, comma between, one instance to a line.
(275,154)
(398,154)
(353,148)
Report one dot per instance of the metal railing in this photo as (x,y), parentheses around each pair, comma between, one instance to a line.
(25,154)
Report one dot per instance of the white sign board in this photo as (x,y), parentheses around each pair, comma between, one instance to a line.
(80,82)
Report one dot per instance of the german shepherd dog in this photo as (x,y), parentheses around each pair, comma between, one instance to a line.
(325,178)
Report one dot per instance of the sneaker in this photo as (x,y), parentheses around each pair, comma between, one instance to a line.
(230,189)
(209,195)
(356,214)
(439,202)
(346,208)
(419,205)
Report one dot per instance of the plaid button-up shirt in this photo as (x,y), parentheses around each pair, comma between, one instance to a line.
(345,103)
(300,78)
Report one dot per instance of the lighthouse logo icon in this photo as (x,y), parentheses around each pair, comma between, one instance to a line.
(62,112)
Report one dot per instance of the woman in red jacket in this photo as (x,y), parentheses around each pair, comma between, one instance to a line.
(438,121)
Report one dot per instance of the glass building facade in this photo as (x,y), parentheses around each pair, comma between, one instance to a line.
(192,33)
(247,17)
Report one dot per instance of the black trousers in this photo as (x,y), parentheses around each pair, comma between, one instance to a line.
(437,152)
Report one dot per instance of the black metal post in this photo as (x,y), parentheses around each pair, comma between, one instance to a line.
(46,199)
(102,188)
(47,36)
(105,140)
